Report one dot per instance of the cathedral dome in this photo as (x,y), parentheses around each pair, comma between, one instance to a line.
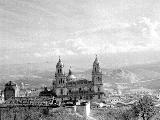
(70,75)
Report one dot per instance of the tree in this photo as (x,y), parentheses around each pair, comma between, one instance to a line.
(144,108)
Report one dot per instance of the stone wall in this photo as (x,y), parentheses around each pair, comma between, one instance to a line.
(83,110)
(34,113)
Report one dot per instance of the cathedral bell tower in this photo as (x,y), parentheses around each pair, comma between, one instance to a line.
(96,72)
(97,78)
(60,78)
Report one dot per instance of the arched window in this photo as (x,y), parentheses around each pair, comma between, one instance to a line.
(61,91)
(90,89)
(99,96)
(80,89)
(80,97)
(98,89)
(90,97)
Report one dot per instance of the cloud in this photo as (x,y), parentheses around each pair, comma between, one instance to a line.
(141,35)
(152,27)
(46,28)
(101,28)
(37,55)
(55,52)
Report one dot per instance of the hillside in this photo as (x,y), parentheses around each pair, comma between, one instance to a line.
(37,75)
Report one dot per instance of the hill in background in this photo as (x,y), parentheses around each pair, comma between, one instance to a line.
(37,75)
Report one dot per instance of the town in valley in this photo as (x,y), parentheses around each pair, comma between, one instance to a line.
(79,59)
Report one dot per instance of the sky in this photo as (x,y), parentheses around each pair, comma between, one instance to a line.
(42,30)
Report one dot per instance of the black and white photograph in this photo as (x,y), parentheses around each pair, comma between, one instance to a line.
(79,59)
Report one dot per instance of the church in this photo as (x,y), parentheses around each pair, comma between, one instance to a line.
(68,87)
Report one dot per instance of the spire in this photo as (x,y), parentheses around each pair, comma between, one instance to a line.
(96,57)
(59,58)
(96,60)
(59,64)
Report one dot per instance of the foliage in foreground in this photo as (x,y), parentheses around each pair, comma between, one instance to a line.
(144,109)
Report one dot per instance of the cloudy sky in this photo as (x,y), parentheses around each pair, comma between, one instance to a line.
(33,30)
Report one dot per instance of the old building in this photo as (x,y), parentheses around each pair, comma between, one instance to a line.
(67,86)
(47,93)
(11,90)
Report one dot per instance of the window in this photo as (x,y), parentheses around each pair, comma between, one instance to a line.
(61,91)
(98,89)
(99,96)
(80,89)
(99,78)
(90,89)
(80,97)
(87,97)
(90,97)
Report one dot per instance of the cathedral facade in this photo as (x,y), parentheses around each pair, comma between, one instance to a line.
(68,87)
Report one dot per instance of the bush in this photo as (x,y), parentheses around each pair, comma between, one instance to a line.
(144,108)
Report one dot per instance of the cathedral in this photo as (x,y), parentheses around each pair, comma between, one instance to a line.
(68,87)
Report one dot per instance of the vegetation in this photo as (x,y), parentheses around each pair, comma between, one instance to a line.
(144,109)
(63,114)
(18,113)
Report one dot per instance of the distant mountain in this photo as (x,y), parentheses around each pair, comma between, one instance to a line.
(35,75)
(39,74)
(120,76)
(146,71)
(147,75)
